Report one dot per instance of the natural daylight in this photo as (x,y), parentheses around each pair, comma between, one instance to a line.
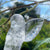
(24,24)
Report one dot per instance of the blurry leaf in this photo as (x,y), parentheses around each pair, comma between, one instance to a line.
(47,40)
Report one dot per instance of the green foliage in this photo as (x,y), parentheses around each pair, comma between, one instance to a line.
(2,20)
(39,43)
(3,32)
(46,49)
(28,45)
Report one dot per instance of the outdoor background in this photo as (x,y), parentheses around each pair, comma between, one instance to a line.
(42,10)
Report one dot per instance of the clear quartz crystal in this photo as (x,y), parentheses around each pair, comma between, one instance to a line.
(37,25)
(16,34)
